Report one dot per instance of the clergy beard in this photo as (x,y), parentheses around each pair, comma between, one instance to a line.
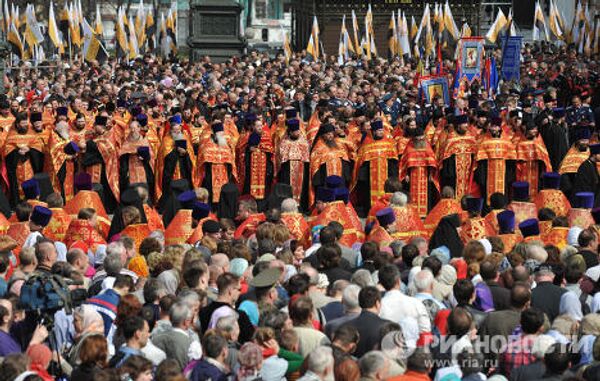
(293,138)
(220,140)
(530,136)
(63,133)
(377,137)
(581,147)
(495,134)
(177,135)
(21,130)
(331,143)
(134,136)
(461,131)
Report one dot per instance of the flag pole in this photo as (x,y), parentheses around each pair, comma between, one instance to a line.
(70,49)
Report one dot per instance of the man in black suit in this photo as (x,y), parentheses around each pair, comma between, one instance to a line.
(368,323)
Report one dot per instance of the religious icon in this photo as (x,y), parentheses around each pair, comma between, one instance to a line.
(435,90)
(471,59)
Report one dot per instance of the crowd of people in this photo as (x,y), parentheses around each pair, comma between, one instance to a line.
(263,220)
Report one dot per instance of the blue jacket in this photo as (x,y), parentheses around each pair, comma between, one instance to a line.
(205,371)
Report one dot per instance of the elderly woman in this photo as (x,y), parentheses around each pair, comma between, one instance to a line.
(250,359)
(87,322)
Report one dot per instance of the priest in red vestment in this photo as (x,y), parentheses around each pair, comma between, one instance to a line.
(498,203)
(101,162)
(136,159)
(87,198)
(495,162)
(377,160)
(457,158)
(292,162)
(530,230)
(328,157)
(577,154)
(85,228)
(506,230)
(580,213)
(216,163)
(532,158)
(176,159)
(248,217)
(200,214)
(447,205)
(295,222)
(57,227)
(382,233)
(521,202)
(257,164)
(419,172)
(475,227)
(336,210)
(551,196)
(23,155)
(64,158)
(180,228)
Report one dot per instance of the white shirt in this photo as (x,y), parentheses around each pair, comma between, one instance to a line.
(395,306)
(195,349)
(153,353)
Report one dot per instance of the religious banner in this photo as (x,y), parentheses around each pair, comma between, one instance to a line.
(511,58)
(434,86)
(471,58)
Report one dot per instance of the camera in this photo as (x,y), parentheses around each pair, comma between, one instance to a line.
(47,293)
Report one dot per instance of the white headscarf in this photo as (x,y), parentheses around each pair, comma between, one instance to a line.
(570,305)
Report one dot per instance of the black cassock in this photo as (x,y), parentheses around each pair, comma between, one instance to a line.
(62,175)
(481,175)
(124,182)
(172,160)
(448,172)
(284,177)
(363,187)
(554,136)
(92,156)
(207,181)
(35,157)
(587,179)
(318,180)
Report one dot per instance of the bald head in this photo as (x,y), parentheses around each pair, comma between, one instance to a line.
(220,260)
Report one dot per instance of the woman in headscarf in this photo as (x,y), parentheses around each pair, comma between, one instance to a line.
(40,356)
(87,322)
(446,279)
(570,305)
(446,234)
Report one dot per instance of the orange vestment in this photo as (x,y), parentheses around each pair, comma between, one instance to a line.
(530,154)
(248,227)
(554,199)
(180,229)
(420,166)
(377,153)
(81,230)
(58,225)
